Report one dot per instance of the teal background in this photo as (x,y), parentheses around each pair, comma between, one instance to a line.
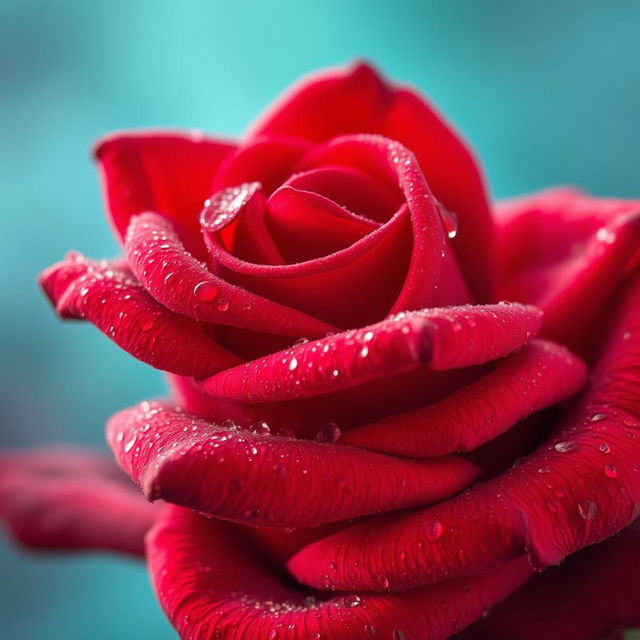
(548,92)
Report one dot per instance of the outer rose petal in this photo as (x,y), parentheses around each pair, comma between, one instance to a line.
(356,100)
(436,338)
(212,584)
(166,172)
(71,498)
(593,593)
(583,487)
(108,296)
(562,250)
(182,284)
(269,480)
(536,377)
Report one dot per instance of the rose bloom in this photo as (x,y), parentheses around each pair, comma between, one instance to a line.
(393,402)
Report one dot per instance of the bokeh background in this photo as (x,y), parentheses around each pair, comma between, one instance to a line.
(548,92)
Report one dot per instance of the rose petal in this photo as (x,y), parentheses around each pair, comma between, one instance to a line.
(180,283)
(210,585)
(356,100)
(538,376)
(306,226)
(116,304)
(269,480)
(166,172)
(436,338)
(404,264)
(71,498)
(593,593)
(565,251)
(581,488)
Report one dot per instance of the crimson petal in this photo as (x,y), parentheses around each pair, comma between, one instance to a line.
(593,593)
(438,338)
(355,99)
(110,298)
(539,375)
(212,584)
(71,498)
(266,480)
(579,489)
(179,282)
(167,172)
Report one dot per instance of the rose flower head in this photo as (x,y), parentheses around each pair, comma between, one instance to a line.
(392,401)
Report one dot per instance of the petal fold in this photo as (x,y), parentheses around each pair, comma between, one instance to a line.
(265,480)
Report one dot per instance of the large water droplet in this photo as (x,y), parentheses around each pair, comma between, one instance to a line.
(224,206)
(260,428)
(223,304)
(205,291)
(129,444)
(146,324)
(293,363)
(610,471)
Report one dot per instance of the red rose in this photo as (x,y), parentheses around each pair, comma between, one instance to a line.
(351,401)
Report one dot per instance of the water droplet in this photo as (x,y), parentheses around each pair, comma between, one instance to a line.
(564,446)
(205,291)
(368,336)
(434,530)
(544,470)
(293,364)
(610,471)
(370,630)
(260,428)
(146,324)
(352,601)
(223,304)
(552,505)
(604,448)
(383,581)
(330,432)
(596,417)
(605,235)
(224,206)
(449,221)
(364,352)
(272,635)
(588,510)
(129,444)
(252,513)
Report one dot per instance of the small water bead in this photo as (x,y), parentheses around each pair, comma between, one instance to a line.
(315,636)
(129,444)
(146,324)
(368,336)
(596,417)
(604,448)
(605,235)
(223,304)
(588,510)
(293,364)
(260,428)
(205,291)
(544,470)
(252,513)
(364,352)
(552,505)
(330,433)
(449,221)
(272,635)
(564,446)
(610,471)
(434,530)
(369,630)
(383,581)
(352,601)
(300,341)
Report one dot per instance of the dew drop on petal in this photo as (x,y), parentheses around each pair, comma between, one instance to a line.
(205,291)
(610,471)
(352,601)
(330,432)
(223,304)
(596,417)
(564,446)
(293,364)
(604,448)
(146,324)
(129,444)
(369,630)
(434,530)
(588,510)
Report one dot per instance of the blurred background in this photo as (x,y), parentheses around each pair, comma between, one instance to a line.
(548,92)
